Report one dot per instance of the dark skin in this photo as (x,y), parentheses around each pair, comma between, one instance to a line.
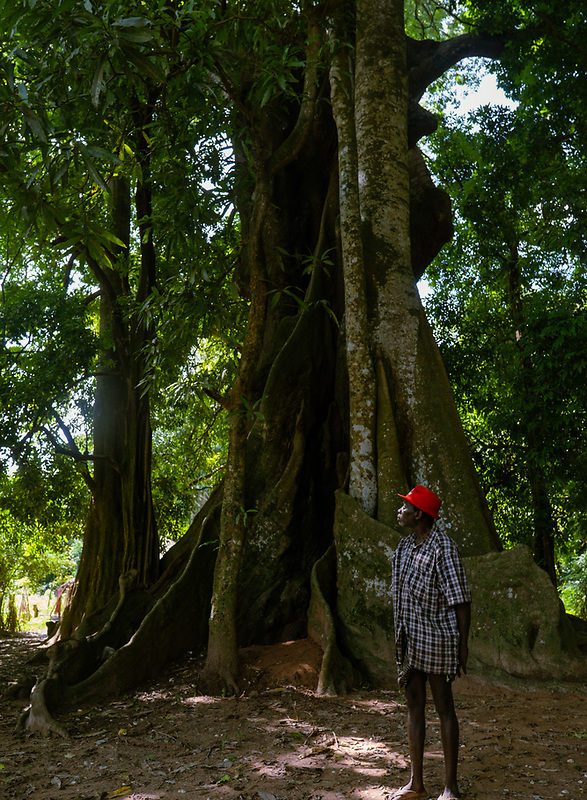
(413,518)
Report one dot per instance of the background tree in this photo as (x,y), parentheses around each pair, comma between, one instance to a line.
(43,506)
(508,305)
(99,206)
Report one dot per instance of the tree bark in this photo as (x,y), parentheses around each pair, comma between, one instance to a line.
(359,359)
(426,429)
(221,669)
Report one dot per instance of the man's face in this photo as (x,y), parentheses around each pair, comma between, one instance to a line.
(406,515)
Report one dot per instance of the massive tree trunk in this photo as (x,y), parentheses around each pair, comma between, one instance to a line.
(359,355)
(311,386)
(424,441)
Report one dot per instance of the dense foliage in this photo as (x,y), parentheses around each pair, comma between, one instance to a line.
(508,303)
(79,89)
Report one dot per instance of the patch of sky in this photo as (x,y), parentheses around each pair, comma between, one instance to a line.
(482,91)
(470,86)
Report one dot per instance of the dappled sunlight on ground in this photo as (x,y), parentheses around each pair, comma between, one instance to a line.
(279,741)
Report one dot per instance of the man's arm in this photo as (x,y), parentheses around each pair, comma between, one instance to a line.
(463,612)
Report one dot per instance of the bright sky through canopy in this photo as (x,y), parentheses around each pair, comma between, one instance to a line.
(488,92)
(469,98)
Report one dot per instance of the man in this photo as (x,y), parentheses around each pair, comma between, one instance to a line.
(432,612)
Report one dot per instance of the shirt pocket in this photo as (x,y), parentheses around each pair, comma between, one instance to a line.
(423,582)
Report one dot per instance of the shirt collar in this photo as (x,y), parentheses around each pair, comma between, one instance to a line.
(427,540)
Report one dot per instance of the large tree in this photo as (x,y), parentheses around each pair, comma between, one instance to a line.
(340,385)
(403,427)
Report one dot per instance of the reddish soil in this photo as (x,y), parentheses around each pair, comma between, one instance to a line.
(281,741)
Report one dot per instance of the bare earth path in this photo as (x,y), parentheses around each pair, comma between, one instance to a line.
(280,741)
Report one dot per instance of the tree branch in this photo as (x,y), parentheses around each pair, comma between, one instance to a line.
(91,297)
(75,451)
(105,278)
(218,398)
(72,450)
(289,149)
(428,60)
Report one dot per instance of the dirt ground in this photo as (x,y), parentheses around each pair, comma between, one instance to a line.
(281,741)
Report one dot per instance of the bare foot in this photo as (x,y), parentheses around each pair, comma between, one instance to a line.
(409,793)
(449,794)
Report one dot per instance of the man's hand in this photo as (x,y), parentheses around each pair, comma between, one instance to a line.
(463,657)
(463,612)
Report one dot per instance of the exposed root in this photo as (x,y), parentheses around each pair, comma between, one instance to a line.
(125,583)
(217,682)
(36,717)
(132,640)
(337,674)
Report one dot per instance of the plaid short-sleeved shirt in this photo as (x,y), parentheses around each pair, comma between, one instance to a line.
(428,580)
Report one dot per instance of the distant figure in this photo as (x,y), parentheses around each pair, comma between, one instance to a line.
(62,596)
(24,610)
(432,612)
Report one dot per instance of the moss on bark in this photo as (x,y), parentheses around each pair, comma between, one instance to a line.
(518,623)
(364,608)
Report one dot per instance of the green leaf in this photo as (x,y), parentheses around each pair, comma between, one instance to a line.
(97,81)
(131,22)
(102,154)
(134,29)
(145,66)
(266,95)
(110,237)
(34,123)
(95,174)
(139,36)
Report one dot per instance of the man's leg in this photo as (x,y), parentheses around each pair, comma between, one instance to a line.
(416,700)
(449,731)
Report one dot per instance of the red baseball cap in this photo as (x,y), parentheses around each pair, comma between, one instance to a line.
(424,499)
